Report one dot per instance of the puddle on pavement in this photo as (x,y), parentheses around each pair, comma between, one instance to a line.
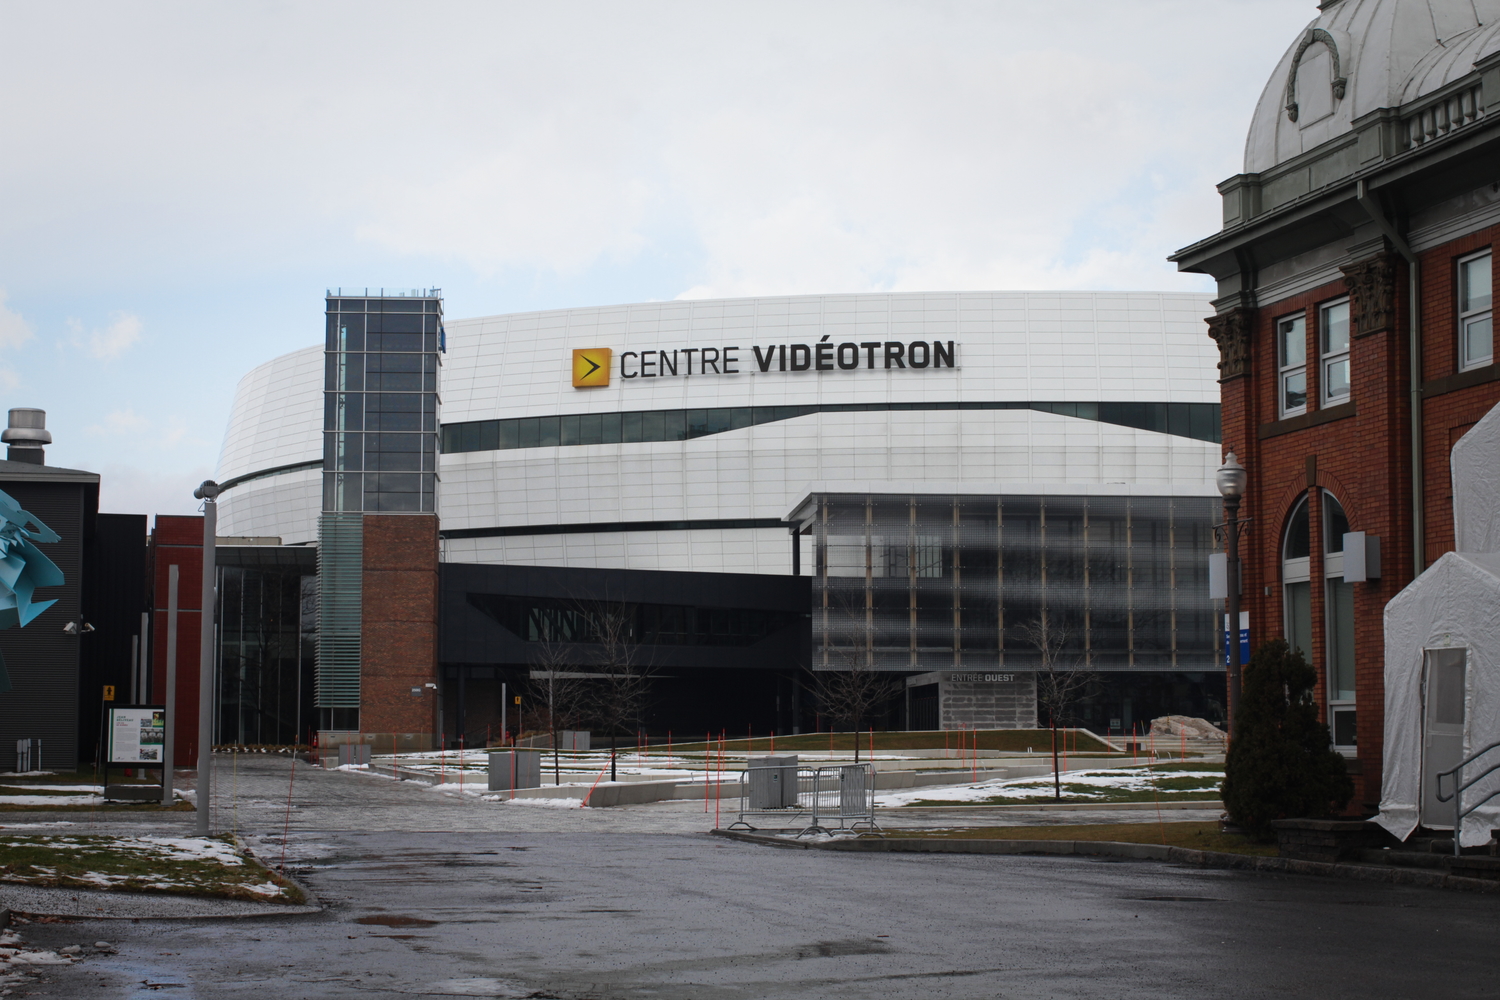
(837,949)
(1178,899)
(395,920)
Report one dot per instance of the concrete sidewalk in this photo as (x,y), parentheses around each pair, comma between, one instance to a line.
(259,796)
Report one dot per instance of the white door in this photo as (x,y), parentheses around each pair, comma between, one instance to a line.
(1442,730)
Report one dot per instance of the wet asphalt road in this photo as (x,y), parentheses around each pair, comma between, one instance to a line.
(632,915)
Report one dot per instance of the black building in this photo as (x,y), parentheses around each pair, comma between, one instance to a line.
(61,662)
(731,647)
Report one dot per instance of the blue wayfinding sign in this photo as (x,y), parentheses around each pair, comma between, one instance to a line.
(1244,638)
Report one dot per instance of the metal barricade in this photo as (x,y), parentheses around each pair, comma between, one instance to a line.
(841,797)
(28,755)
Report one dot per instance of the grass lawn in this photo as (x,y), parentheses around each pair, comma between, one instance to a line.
(1178,782)
(196,866)
(1003,740)
(71,791)
(1197,836)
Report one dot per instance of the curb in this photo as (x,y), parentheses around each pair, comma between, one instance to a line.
(310,898)
(1419,878)
(1049,806)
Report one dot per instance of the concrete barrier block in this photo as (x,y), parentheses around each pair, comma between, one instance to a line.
(629,793)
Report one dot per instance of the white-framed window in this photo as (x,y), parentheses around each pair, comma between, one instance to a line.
(1339,623)
(1291,358)
(1333,351)
(1296,581)
(1476,316)
(1338,607)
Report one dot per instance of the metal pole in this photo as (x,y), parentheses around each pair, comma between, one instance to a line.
(1232,586)
(207,492)
(1458,816)
(135,669)
(504,706)
(169,755)
(145,658)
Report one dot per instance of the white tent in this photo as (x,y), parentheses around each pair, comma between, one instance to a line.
(1475,461)
(1442,642)
(1442,659)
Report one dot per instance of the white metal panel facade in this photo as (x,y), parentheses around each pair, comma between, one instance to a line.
(1010,347)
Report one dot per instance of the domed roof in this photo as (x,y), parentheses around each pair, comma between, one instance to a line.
(1360,55)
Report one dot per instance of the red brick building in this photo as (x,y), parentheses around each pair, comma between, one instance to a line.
(1354,326)
(177,541)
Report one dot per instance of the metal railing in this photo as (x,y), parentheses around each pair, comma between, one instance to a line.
(825,798)
(1460,785)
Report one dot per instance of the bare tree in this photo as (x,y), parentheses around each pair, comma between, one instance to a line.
(622,693)
(565,694)
(851,687)
(1063,675)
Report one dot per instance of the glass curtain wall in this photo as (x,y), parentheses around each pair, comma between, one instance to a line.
(925,583)
(381,404)
(267,651)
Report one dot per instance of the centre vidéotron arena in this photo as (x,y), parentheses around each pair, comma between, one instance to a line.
(942,486)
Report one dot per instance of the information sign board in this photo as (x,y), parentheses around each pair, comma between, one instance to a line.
(137,734)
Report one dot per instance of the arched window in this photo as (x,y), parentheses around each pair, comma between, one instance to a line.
(1339,619)
(1337,597)
(1296,579)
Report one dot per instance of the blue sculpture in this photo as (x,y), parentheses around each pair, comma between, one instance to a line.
(23,568)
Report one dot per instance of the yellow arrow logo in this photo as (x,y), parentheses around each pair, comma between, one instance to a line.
(591,367)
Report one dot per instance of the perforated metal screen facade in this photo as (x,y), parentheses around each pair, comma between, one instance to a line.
(340,595)
(980,582)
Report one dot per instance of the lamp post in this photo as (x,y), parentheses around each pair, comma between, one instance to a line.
(208,493)
(1231,479)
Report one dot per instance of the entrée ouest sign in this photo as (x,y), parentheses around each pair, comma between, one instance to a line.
(822,356)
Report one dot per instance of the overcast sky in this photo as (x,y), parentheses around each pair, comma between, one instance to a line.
(180,182)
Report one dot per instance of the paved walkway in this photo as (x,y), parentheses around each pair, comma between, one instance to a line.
(261,796)
(427,894)
(587,916)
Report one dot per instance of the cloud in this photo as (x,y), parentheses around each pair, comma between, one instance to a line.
(14,330)
(125,421)
(756,148)
(117,338)
(131,489)
(170,433)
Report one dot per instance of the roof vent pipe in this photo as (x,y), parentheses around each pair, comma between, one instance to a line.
(26,436)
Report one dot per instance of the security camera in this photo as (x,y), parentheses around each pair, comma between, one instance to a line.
(71,628)
(208,490)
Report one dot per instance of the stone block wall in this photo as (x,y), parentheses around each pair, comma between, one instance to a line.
(987,700)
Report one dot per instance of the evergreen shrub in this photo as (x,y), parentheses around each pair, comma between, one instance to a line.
(1281,761)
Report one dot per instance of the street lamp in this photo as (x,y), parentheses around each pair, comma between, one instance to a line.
(208,492)
(1231,479)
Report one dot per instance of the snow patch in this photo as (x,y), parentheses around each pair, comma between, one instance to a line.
(1097,785)
(543,803)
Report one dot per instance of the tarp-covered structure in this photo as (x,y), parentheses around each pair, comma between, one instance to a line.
(1442,659)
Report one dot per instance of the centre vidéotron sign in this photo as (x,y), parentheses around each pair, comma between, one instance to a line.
(591,366)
